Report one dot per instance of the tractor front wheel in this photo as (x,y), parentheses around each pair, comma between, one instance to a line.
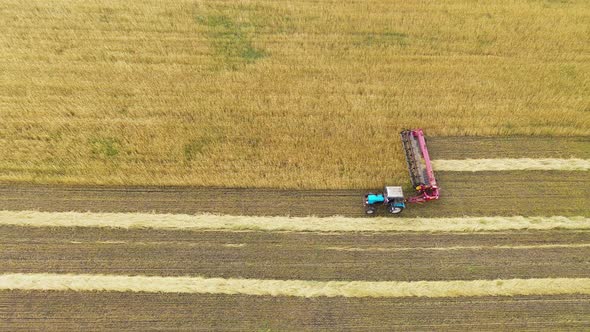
(370,210)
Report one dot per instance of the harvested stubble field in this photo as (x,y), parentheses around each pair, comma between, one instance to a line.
(540,264)
(226,312)
(319,256)
(298,94)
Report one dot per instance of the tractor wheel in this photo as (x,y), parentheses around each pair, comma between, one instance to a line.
(395,209)
(370,210)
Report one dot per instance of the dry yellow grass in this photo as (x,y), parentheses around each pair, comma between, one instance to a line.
(298,288)
(273,224)
(545,164)
(282,94)
(514,247)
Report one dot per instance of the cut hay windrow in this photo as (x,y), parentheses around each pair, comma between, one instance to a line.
(296,288)
(513,247)
(207,222)
(517,164)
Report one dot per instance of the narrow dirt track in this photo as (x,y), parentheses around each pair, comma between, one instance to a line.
(528,193)
(54,311)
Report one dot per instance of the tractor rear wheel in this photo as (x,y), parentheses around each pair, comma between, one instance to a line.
(395,209)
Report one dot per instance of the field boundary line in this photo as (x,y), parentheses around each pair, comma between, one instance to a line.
(293,224)
(295,288)
(512,164)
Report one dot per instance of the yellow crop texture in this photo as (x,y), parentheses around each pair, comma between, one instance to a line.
(307,94)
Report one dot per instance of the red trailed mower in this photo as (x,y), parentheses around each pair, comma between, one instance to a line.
(421,175)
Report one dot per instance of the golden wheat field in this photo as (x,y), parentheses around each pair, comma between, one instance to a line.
(257,93)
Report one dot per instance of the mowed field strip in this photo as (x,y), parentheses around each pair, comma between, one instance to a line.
(168,253)
(488,193)
(29,310)
(320,256)
(513,147)
(299,288)
(296,224)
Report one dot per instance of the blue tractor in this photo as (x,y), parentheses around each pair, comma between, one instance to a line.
(392,197)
